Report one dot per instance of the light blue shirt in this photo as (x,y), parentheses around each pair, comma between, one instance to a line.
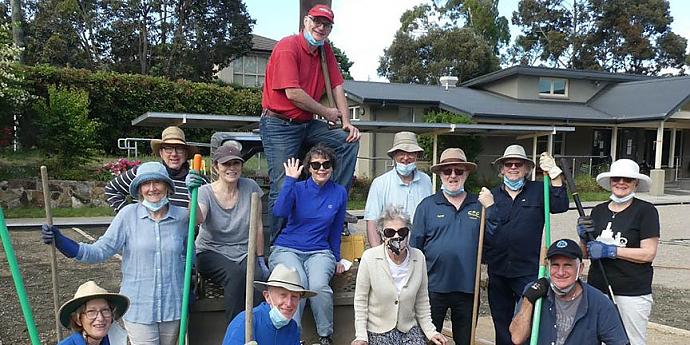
(390,189)
(153,260)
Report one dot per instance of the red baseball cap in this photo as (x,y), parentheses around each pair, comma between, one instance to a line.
(321,11)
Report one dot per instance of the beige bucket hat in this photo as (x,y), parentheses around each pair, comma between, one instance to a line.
(286,278)
(405,141)
(452,156)
(514,152)
(175,136)
(88,291)
(624,168)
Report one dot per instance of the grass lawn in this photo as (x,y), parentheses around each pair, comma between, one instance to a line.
(592,196)
(35,212)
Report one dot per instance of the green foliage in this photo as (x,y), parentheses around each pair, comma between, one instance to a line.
(116,99)
(65,129)
(12,91)
(587,184)
(343,61)
(619,36)
(483,17)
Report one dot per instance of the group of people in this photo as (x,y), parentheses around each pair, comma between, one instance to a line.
(424,245)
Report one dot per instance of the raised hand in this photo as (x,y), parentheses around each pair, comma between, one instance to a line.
(537,290)
(548,165)
(486,198)
(292,168)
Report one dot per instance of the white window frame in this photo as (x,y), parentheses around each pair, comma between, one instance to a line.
(238,70)
(355,113)
(551,93)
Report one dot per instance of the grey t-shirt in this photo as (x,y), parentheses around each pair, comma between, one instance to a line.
(565,317)
(226,231)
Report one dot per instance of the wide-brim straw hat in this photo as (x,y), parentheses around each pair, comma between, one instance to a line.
(88,291)
(286,278)
(150,171)
(624,168)
(405,141)
(514,152)
(174,136)
(453,156)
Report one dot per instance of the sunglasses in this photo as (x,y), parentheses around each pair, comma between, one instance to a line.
(513,164)
(390,232)
(449,171)
(320,22)
(624,179)
(317,165)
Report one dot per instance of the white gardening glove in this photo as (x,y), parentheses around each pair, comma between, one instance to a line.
(548,165)
(486,198)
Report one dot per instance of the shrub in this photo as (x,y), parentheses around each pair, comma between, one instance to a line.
(64,127)
(586,183)
(115,168)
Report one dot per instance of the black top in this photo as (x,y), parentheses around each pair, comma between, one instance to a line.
(637,222)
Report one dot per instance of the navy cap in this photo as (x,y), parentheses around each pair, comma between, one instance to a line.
(565,247)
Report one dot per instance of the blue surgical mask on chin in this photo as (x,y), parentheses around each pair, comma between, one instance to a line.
(623,199)
(513,185)
(155,206)
(405,169)
(277,318)
(312,41)
(452,193)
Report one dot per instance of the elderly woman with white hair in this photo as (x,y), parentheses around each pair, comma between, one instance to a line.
(151,235)
(624,234)
(391,297)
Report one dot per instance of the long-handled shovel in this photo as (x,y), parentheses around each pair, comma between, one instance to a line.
(251,265)
(53,257)
(478,276)
(196,165)
(536,320)
(18,281)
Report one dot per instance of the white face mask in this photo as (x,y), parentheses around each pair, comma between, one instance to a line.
(618,200)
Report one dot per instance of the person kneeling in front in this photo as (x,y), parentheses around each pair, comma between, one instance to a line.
(573,312)
(273,323)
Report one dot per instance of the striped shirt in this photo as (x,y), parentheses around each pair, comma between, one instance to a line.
(117,190)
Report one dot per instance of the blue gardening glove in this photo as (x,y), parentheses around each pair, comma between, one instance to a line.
(265,272)
(600,250)
(193,180)
(66,246)
(585,228)
(537,290)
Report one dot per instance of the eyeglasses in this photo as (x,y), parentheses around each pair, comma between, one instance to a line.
(513,164)
(320,22)
(450,171)
(317,165)
(93,314)
(624,179)
(390,232)
(171,149)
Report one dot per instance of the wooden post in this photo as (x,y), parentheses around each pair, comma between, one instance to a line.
(53,257)
(478,276)
(254,217)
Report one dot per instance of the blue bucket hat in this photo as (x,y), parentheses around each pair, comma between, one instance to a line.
(150,171)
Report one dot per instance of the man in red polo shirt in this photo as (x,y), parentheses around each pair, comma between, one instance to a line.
(293,86)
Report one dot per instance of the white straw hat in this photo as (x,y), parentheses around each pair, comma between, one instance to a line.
(88,291)
(405,141)
(514,152)
(286,278)
(624,168)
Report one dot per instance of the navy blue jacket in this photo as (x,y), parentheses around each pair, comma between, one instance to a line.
(264,331)
(449,240)
(512,249)
(596,321)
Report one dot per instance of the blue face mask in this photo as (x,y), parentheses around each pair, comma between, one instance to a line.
(312,41)
(452,193)
(277,318)
(623,199)
(405,169)
(514,185)
(155,206)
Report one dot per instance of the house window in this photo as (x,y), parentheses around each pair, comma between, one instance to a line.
(553,87)
(406,114)
(355,113)
(249,70)
(558,143)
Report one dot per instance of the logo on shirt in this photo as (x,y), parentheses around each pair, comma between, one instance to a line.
(473,214)
(330,206)
(440,215)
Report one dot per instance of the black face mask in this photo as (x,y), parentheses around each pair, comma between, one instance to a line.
(395,245)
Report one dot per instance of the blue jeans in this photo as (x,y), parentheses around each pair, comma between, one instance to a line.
(315,270)
(282,140)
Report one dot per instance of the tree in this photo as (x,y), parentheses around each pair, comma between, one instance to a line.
(13,94)
(423,51)
(632,36)
(482,16)
(343,61)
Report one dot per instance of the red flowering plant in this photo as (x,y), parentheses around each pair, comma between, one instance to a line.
(115,168)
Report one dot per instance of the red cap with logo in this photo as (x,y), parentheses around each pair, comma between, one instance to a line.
(321,11)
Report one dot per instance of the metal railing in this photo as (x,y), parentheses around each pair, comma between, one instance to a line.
(132,145)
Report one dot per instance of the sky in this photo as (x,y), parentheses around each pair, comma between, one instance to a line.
(364,28)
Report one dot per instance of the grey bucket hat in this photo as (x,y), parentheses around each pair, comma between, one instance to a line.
(286,278)
(150,171)
(405,141)
(514,152)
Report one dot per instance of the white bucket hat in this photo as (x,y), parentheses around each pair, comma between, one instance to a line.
(286,278)
(624,168)
(514,152)
(405,141)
